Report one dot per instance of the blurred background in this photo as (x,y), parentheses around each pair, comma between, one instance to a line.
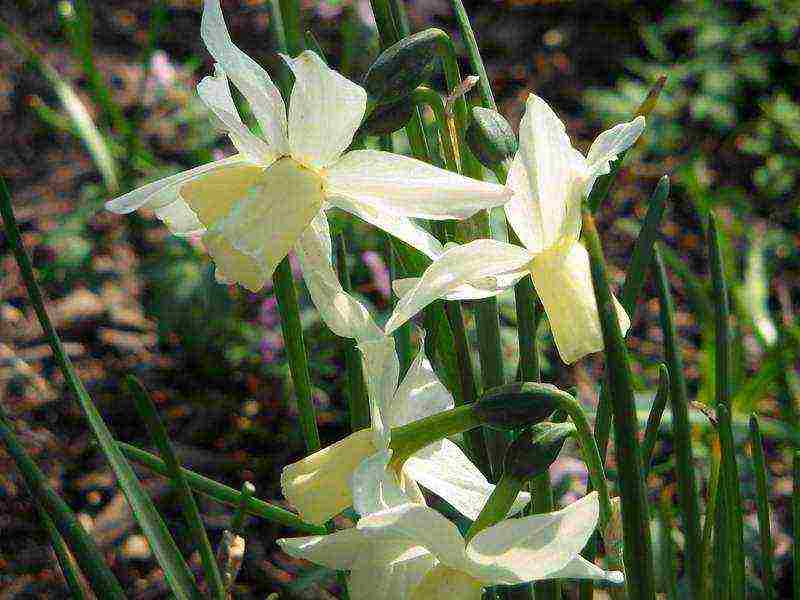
(97,98)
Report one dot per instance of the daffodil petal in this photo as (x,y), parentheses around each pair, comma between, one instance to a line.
(163,192)
(563,282)
(381,373)
(248,76)
(340,311)
(375,488)
(325,111)
(534,547)
(448,473)
(457,266)
(403,228)
(555,174)
(421,526)
(395,184)
(609,144)
(580,568)
(266,224)
(443,582)
(394,582)
(212,195)
(318,486)
(492,286)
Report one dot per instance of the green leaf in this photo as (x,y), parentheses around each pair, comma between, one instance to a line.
(177,573)
(762,504)
(654,419)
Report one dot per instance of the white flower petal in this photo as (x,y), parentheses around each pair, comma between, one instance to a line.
(400,185)
(215,93)
(264,226)
(458,265)
(580,568)
(318,486)
(449,474)
(164,191)
(422,526)
(325,111)
(402,228)
(535,547)
(395,582)
(340,311)
(381,373)
(374,487)
(420,394)
(443,582)
(252,80)
(563,281)
(492,286)
(555,175)
(611,143)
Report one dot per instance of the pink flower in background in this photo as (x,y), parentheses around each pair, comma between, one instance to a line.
(268,316)
(379,272)
(271,346)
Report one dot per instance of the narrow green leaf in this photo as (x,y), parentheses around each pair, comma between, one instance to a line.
(636,522)
(177,573)
(670,569)
(654,418)
(86,551)
(69,569)
(730,470)
(290,11)
(158,433)
(722,579)
(762,504)
(222,493)
(681,432)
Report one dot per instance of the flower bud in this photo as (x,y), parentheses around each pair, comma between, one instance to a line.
(518,405)
(535,449)
(490,137)
(388,118)
(402,67)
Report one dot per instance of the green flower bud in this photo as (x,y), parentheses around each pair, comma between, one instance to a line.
(535,449)
(490,137)
(402,67)
(518,405)
(388,118)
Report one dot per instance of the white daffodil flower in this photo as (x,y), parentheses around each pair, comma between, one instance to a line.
(322,485)
(549,179)
(416,553)
(254,207)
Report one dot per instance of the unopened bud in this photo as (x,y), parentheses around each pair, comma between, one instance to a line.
(388,118)
(535,449)
(490,137)
(518,405)
(402,67)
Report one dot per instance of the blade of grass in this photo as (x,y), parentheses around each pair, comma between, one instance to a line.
(711,510)
(177,573)
(762,504)
(636,522)
(670,586)
(654,419)
(222,493)
(681,432)
(85,550)
(69,569)
(356,395)
(290,11)
(191,514)
(721,588)
(730,471)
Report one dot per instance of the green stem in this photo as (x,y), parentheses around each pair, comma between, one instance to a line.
(223,493)
(636,523)
(414,436)
(654,419)
(497,506)
(475,59)
(682,435)
(292,26)
(730,471)
(247,492)
(711,511)
(762,503)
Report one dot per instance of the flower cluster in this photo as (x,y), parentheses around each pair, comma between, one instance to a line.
(271,198)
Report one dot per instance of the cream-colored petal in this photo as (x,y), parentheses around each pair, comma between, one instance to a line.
(535,547)
(443,582)
(266,224)
(449,474)
(420,394)
(216,95)
(340,311)
(489,287)
(611,143)
(213,195)
(318,486)
(375,487)
(396,184)
(381,374)
(402,228)
(422,526)
(248,76)
(394,582)
(555,174)
(325,110)
(233,266)
(458,265)
(164,192)
(563,282)
(580,568)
